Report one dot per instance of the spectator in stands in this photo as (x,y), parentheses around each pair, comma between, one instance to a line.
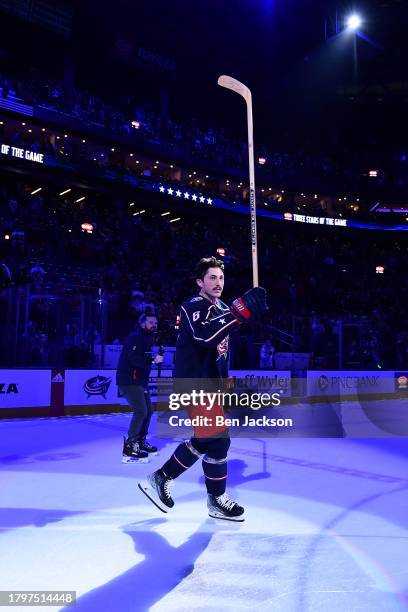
(137,302)
(267,354)
(37,274)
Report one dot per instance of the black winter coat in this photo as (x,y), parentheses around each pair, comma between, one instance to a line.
(135,360)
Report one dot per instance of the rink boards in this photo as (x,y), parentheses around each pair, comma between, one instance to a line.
(59,392)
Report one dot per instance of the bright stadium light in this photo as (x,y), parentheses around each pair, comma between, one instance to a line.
(353,22)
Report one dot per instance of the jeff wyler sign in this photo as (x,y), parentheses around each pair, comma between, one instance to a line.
(19,153)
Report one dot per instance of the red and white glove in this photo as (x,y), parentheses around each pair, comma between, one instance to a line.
(253,302)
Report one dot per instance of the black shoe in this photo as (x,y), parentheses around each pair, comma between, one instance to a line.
(146,447)
(157,489)
(221,507)
(132,452)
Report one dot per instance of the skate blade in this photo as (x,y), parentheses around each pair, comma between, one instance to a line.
(149,492)
(234,519)
(126,459)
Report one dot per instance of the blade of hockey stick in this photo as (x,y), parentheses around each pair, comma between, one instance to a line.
(230,83)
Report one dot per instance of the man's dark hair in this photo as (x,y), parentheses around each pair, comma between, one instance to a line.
(207,262)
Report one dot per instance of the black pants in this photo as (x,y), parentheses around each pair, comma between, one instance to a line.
(139,400)
(216,448)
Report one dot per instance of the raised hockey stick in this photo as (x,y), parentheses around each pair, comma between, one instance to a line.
(231,83)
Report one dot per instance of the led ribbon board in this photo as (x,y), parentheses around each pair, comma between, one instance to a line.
(19,153)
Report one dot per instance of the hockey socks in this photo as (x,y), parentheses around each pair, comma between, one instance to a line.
(215,472)
(183,458)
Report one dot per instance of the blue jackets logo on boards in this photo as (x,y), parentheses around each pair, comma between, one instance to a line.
(97,385)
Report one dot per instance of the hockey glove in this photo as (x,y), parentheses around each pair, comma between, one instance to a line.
(253,302)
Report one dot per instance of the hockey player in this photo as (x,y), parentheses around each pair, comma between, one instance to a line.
(202,353)
(132,378)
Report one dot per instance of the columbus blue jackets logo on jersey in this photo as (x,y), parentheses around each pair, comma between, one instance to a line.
(97,385)
(222,348)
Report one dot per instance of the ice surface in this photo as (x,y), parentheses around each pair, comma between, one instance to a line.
(326,526)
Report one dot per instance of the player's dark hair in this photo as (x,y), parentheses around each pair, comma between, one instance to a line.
(207,262)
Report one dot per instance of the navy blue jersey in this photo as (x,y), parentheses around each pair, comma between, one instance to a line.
(202,343)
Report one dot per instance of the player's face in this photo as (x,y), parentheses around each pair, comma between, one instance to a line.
(212,284)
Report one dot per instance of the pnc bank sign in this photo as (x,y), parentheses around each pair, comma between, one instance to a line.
(323,383)
(347,382)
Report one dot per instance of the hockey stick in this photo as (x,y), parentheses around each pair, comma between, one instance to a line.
(231,83)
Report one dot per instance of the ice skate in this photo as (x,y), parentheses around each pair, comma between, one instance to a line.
(221,507)
(157,489)
(147,447)
(132,453)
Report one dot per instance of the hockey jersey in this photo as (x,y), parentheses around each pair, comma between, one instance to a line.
(202,343)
